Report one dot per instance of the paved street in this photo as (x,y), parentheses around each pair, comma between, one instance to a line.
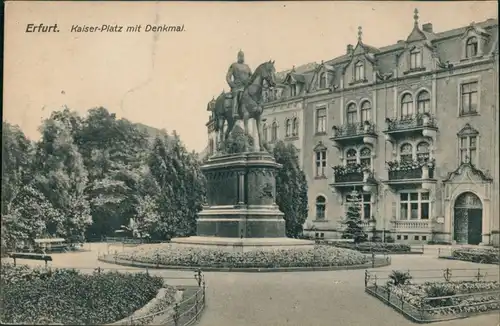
(298,299)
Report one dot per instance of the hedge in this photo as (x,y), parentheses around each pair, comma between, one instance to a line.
(63,296)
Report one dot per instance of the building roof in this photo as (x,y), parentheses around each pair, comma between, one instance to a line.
(384,58)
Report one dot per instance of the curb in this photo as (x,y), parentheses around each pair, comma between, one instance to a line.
(378,263)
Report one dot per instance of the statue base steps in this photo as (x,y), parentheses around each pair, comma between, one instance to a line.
(244,244)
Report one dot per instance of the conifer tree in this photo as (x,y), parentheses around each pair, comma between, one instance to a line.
(353,228)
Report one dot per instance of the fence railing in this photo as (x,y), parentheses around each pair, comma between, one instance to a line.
(429,308)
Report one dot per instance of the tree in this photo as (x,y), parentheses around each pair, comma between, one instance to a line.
(17,155)
(114,153)
(353,229)
(62,179)
(291,188)
(177,186)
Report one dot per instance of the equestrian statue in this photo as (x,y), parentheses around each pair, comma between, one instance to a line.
(245,99)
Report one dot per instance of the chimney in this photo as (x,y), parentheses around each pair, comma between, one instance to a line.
(349,48)
(427,28)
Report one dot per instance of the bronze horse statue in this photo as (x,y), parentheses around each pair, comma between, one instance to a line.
(249,106)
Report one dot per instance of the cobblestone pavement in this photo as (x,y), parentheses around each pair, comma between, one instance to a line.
(299,298)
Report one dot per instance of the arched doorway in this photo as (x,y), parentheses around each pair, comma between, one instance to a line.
(468,219)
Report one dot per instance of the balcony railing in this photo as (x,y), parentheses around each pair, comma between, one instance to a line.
(411,224)
(409,174)
(348,177)
(353,129)
(410,122)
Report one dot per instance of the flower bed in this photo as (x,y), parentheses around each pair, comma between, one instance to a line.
(171,255)
(433,301)
(477,255)
(61,296)
(375,246)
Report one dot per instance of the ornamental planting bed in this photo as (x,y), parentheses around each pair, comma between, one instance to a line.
(65,296)
(388,248)
(439,301)
(185,257)
(476,255)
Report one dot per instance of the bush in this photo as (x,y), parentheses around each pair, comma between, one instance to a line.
(40,295)
(440,290)
(477,255)
(398,278)
(389,239)
(171,255)
(375,246)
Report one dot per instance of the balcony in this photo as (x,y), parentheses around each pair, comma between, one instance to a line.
(411,225)
(420,124)
(354,133)
(352,176)
(405,173)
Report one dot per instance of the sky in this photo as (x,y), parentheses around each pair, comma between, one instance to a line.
(165,80)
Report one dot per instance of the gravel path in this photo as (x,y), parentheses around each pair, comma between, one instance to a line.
(298,298)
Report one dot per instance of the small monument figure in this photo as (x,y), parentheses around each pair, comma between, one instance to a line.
(237,78)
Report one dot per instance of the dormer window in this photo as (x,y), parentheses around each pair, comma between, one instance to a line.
(293,90)
(359,71)
(415,59)
(471,47)
(322,80)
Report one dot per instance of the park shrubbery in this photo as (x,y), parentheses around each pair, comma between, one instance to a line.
(61,296)
(477,255)
(171,255)
(375,246)
(433,300)
(448,300)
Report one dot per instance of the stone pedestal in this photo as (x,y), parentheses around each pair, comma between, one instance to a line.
(241,192)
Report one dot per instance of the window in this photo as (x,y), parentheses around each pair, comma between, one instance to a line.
(468,149)
(321,120)
(351,157)
(321,235)
(366,111)
(322,80)
(288,127)
(274,132)
(320,208)
(471,47)
(423,102)
(293,90)
(406,153)
(295,127)
(417,237)
(423,152)
(405,237)
(320,163)
(414,206)
(415,59)
(359,71)
(366,205)
(352,114)
(265,132)
(365,157)
(468,98)
(406,106)
(398,237)
(424,238)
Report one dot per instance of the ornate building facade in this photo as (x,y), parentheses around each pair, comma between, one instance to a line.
(413,127)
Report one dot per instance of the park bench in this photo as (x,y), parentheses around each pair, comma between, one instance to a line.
(60,247)
(32,256)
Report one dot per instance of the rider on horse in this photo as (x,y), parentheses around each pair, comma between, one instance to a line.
(237,77)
